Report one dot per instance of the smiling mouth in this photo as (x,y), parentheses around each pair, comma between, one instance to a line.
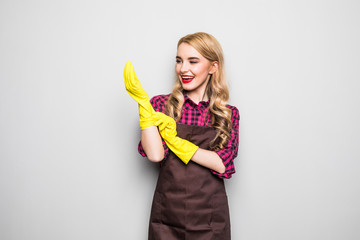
(187,78)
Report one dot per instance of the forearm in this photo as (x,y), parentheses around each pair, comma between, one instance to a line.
(209,159)
(152,144)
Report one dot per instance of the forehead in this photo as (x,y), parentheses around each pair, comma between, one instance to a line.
(186,51)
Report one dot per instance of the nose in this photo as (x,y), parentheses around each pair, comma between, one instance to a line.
(184,67)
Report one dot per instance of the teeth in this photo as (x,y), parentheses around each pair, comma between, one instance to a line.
(187,77)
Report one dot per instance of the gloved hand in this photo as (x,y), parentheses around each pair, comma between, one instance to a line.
(180,147)
(148,117)
(135,90)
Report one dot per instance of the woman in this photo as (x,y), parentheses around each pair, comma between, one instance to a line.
(196,141)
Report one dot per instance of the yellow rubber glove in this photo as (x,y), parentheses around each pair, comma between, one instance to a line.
(180,147)
(135,90)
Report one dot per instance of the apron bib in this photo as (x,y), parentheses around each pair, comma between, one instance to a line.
(190,203)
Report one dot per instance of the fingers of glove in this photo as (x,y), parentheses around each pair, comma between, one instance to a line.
(158,116)
(171,131)
(164,128)
(135,85)
(162,124)
(167,133)
(127,64)
(169,120)
(132,84)
(164,121)
(171,127)
(127,75)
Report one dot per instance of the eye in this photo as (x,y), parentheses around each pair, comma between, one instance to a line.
(193,62)
(178,61)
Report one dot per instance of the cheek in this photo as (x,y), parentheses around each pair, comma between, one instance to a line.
(201,70)
(177,69)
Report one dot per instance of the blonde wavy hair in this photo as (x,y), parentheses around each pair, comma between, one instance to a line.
(216,90)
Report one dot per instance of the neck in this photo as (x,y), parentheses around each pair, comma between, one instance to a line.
(196,97)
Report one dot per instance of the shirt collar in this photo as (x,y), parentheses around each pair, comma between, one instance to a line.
(202,104)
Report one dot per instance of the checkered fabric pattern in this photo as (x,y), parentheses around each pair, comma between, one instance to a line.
(198,114)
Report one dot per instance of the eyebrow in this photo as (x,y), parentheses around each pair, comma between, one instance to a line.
(190,58)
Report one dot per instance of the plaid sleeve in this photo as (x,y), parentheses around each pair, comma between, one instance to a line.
(158,103)
(229,153)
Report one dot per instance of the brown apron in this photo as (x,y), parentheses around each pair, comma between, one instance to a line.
(190,202)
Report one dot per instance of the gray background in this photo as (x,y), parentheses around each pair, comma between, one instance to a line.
(69,165)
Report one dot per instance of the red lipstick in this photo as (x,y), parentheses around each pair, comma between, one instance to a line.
(186,78)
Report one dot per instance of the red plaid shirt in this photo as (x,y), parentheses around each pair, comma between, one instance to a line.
(195,114)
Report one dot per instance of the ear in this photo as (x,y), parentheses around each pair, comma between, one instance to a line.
(214,67)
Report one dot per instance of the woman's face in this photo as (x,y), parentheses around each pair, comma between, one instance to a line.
(192,68)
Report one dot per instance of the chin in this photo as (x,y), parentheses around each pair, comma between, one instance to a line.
(187,87)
